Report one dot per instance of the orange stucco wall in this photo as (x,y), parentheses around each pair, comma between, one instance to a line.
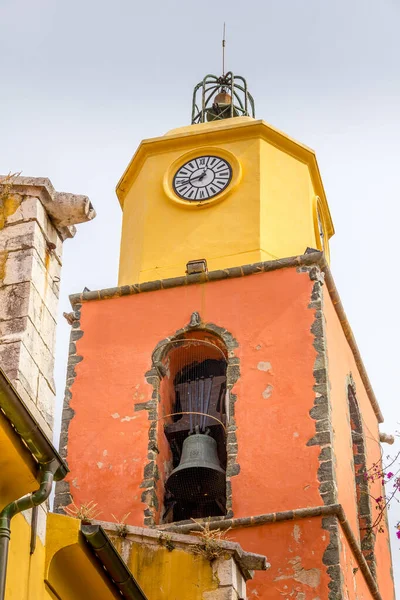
(269,316)
(354,584)
(341,364)
(294,550)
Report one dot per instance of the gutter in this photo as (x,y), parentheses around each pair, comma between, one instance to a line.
(101,545)
(28,429)
(17,506)
(51,466)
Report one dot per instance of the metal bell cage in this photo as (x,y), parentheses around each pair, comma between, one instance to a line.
(216,98)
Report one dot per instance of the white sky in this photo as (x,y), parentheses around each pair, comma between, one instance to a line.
(82,82)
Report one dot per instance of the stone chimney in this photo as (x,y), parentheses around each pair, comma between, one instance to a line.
(34,222)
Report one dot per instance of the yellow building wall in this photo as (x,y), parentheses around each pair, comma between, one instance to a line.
(267,213)
(25,571)
(73,573)
(65,562)
(286,204)
(159,236)
(71,568)
(17,478)
(168,575)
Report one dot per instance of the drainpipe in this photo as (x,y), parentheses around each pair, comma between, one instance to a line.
(17,506)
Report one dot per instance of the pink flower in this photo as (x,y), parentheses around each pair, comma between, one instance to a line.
(398,534)
(389,475)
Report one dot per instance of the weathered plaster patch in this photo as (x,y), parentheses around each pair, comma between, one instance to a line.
(128,418)
(309,577)
(100,465)
(297,533)
(264,366)
(267,392)
(115,415)
(137,394)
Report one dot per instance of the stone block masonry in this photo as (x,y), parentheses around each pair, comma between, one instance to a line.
(34,222)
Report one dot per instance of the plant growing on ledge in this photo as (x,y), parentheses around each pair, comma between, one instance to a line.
(210,542)
(166,541)
(121,526)
(7,182)
(84,512)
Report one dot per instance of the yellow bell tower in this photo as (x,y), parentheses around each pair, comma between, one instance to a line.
(228,188)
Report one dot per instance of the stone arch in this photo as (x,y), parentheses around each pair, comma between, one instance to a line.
(154,476)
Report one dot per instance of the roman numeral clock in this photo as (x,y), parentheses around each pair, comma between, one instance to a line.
(202,177)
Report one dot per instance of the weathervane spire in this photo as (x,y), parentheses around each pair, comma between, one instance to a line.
(224,97)
(223,52)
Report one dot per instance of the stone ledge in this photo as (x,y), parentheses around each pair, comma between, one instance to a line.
(246,561)
(315,258)
(64,209)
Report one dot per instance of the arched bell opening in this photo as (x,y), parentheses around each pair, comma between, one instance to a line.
(194,406)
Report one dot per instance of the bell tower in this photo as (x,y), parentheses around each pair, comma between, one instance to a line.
(220,382)
(228,188)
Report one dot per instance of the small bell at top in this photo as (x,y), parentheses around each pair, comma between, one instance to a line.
(223,98)
(222,107)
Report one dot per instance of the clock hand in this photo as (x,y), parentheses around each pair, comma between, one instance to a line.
(199,177)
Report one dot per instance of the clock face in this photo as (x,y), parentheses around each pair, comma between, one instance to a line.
(202,178)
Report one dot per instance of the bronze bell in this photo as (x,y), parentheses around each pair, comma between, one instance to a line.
(199,477)
(223,98)
(221,108)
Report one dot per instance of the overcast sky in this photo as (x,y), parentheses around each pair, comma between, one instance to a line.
(82,82)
